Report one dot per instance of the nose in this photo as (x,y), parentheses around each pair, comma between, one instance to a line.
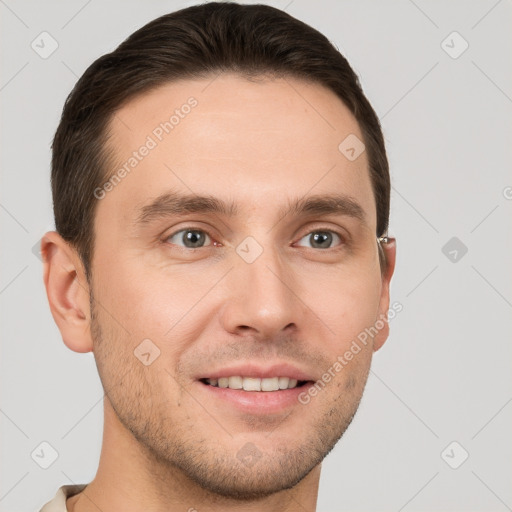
(263,297)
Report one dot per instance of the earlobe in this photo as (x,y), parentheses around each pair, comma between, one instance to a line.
(67,291)
(389,249)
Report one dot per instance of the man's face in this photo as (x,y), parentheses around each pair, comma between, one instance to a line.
(238,294)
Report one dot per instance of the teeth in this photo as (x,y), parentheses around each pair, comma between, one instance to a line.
(254,384)
(283,382)
(235,383)
(270,384)
(250,384)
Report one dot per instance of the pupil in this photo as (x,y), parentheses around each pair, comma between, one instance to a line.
(322,237)
(194,237)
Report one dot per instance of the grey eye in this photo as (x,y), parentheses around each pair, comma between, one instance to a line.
(321,239)
(189,238)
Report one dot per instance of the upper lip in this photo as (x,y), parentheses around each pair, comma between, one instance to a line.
(261,372)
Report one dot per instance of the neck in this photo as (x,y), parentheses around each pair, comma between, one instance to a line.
(130,478)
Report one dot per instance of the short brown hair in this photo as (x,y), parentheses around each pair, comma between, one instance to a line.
(194,42)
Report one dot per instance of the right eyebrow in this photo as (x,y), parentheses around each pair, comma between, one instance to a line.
(171,203)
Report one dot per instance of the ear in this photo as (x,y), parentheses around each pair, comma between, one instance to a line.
(389,249)
(67,291)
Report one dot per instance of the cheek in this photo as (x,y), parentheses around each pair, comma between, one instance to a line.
(346,301)
(172,303)
(144,305)
(150,304)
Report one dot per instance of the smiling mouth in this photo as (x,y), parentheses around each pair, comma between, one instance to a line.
(252,384)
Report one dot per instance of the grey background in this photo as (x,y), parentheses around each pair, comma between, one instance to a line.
(444,374)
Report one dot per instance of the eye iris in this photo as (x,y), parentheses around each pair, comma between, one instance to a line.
(321,237)
(195,238)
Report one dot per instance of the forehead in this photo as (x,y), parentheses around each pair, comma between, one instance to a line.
(260,142)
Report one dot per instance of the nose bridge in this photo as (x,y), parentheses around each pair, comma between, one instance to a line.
(263,294)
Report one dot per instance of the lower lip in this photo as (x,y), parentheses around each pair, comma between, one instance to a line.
(258,402)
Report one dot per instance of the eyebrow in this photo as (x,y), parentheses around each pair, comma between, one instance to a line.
(176,204)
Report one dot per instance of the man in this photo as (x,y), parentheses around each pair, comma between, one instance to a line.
(221,199)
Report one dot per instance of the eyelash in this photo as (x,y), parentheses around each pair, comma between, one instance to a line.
(343,240)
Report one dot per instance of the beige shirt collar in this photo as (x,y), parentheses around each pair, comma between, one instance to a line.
(58,503)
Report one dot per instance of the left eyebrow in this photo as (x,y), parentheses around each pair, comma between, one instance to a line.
(325,204)
(175,204)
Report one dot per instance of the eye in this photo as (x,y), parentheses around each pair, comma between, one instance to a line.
(322,239)
(189,238)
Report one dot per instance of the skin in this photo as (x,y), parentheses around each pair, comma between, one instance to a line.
(167,444)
